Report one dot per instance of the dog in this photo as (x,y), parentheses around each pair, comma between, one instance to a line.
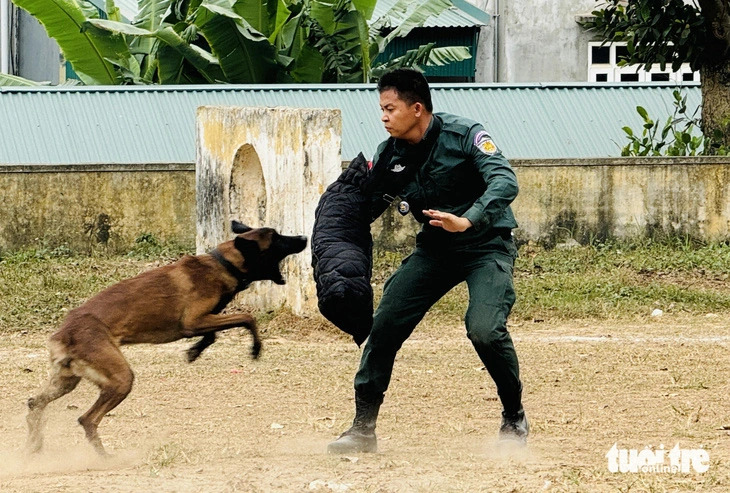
(180,300)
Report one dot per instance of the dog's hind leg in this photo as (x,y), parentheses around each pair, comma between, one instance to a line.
(61,383)
(106,367)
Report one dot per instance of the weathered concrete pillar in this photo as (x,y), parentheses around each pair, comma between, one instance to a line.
(266,167)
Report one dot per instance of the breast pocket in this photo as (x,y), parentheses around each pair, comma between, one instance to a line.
(453,183)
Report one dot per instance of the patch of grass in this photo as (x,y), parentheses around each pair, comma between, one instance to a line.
(622,280)
(606,281)
(38,286)
(164,456)
(599,281)
(148,246)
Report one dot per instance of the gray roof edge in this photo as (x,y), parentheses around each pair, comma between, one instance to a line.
(473,11)
(618,161)
(339,87)
(94,167)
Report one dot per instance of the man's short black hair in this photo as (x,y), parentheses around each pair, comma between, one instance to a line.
(410,85)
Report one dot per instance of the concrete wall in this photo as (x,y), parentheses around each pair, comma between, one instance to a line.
(541,42)
(266,167)
(623,198)
(89,207)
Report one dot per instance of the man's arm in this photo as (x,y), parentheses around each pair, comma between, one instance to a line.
(498,175)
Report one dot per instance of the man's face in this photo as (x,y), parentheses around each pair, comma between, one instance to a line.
(400,118)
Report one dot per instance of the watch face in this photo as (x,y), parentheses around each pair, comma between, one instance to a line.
(403,207)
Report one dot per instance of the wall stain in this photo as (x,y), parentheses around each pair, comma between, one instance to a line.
(99,228)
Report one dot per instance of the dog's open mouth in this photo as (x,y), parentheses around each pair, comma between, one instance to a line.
(287,245)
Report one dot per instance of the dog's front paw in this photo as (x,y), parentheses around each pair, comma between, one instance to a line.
(200,346)
(256,350)
(193,353)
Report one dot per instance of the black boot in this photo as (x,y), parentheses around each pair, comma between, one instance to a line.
(361,435)
(514,427)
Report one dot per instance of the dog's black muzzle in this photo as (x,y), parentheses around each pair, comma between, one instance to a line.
(285,246)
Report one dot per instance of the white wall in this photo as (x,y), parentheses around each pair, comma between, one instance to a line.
(538,41)
(39,57)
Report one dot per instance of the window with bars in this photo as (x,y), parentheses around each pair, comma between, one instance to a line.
(603,67)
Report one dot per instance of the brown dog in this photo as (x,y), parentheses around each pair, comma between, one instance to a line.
(180,300)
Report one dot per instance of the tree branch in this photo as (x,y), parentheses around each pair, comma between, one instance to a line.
(717,20)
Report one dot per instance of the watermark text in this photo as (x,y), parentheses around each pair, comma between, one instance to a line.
(674,461)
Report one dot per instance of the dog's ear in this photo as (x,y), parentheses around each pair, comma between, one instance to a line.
(248,248)
(239,227)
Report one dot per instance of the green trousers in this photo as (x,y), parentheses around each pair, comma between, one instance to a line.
(421,280)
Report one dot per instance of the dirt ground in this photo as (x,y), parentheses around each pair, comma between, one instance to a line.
(226,423)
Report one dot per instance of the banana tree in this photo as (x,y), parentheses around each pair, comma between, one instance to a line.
(235,41)
(350,46)
(208,41)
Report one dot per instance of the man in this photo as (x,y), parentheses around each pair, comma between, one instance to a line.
(453,179)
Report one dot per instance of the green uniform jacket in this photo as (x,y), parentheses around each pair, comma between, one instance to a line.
(463,173)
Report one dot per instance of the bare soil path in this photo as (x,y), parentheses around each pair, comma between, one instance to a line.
(226,423)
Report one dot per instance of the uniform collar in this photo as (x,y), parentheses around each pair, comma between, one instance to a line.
(432,133)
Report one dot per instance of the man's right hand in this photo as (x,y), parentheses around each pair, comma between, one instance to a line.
(447,221)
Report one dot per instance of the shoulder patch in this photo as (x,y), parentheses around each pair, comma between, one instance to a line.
(484,143)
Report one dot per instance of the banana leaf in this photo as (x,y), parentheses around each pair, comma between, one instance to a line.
(14,80)
(246,56)
(425,55)
(308,66)
(112,11)
(282,16)
(149,17)
(406,15)
(179,51)
(291,42)
(353,40)
(292,35)
(260,14)
(342,37)
(365,7)
(206,64)
(323,11)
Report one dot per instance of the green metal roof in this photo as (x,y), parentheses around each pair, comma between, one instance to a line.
(458,36)
(462,14)
(156,124)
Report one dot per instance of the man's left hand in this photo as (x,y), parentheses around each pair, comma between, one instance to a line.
(447,221)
